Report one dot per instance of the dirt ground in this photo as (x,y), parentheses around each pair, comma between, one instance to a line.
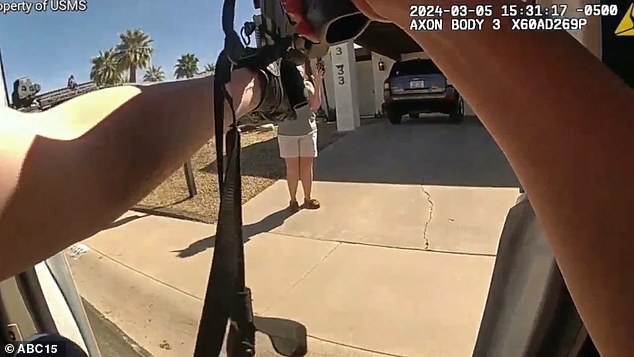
(261,167)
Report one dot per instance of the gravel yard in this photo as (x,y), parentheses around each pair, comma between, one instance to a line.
(261,167)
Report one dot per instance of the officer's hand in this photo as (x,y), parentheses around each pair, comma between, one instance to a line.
(295,9)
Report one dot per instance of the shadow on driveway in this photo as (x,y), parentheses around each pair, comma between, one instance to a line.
(126,220)
(267,224)
(417,153)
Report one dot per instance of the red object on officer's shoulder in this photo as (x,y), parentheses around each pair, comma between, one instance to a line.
(296,9)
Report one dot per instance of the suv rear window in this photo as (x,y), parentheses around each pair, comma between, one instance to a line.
(409,68)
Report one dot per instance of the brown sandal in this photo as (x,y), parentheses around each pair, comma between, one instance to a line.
(311,204)
(293,206)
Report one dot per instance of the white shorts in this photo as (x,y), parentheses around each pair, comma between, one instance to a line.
(297,146)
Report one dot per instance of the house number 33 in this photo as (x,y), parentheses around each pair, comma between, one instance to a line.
(340,72)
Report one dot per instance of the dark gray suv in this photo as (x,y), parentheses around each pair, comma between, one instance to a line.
(418,86)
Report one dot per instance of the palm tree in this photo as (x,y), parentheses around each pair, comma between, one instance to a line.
(154,74)
(210,68)
(187,66)
(105,69)
(134,51)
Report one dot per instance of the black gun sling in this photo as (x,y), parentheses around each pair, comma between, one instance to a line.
(227,298)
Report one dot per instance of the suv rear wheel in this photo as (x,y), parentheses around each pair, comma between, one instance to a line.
(457,114)
(395,117)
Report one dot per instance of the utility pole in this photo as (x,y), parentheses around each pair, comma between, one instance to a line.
(4,92)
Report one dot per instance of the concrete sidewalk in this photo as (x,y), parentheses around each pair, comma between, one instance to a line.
(390,265)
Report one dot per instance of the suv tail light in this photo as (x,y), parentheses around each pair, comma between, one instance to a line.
(386,91)
(450,93)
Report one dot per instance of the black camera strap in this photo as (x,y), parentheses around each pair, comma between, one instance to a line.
(227,299)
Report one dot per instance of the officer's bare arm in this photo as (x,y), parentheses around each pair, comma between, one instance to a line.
(69,172)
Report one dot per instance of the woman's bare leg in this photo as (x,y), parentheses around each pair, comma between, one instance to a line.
(292,177)
(306,175)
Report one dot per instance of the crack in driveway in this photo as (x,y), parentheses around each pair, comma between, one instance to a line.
(323,259)
(431,215)
(305,276)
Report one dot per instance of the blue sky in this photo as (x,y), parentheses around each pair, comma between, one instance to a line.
(50,46)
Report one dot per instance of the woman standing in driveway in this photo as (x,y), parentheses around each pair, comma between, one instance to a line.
(297,141)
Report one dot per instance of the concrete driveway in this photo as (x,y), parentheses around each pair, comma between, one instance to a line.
(397,262)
